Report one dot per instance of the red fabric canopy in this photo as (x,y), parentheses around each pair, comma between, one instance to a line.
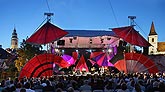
(46,34)
(75,55)
(42,65)
(82,64)
(135,62)
(130,35)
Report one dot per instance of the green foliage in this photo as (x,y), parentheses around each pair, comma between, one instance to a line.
(25,53)
(30,50)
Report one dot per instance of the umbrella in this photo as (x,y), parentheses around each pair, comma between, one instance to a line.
(102,58)
(134,62)
(130,35)
(42,65)
(68,59)
(46,34)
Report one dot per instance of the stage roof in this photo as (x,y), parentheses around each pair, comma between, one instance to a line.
(89,33)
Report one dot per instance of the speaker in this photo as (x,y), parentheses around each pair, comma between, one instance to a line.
(61,42)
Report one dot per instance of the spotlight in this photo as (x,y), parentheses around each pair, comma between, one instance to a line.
(109,50)
(56,50)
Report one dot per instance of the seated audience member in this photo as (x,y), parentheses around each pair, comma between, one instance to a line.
(137,88)
(48,87)
(70,89)
(123,88)
(85,86)
(28,87)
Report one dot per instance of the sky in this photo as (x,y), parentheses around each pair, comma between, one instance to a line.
(27,15)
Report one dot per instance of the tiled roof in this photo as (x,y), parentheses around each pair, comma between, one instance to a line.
(89,33)
(152,30)
(161,46)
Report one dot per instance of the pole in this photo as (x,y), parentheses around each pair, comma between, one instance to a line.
(132,23)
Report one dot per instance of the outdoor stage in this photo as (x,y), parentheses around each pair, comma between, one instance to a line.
(83,60)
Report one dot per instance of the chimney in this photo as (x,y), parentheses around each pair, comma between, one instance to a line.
(0,46)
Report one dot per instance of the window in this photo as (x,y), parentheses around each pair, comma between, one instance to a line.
(74,37)
(108,38)
(102,40)
(71,40)
(152,39)
(15,43)
(90,41)
(61,42)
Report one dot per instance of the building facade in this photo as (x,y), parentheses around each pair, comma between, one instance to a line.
(87,40)
(157,47)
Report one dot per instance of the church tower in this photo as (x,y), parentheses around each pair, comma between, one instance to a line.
(153,40)
(14,40)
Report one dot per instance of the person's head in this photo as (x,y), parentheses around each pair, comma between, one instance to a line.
(86,82)
(132,83)
(18,85)
(27,85)
(109,85)
(2,83)
(12,88)
(23,90)
(70,89)
(123,86)
(58,90)
(137,87)
(155,84)
(47,82)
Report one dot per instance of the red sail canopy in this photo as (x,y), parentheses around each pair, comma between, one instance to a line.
(82,64)
(135,62)
(130,35)
(46,34)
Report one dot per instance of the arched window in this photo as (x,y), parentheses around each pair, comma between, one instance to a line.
(152,39)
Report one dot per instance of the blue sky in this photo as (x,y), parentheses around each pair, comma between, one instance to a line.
(27,15)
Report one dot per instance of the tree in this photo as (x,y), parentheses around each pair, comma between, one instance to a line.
(25,53)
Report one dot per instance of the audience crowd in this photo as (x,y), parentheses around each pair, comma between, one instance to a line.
(114,82)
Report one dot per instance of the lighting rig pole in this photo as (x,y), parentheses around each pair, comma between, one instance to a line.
(49,16)
(131,48)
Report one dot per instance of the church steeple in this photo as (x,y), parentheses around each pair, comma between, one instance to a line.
(14,40)
(153,40)
(152,30)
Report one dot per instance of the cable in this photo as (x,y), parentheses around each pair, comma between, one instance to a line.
(140,28)
(113,13)
(49,14)
(40,25)
(48,5)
